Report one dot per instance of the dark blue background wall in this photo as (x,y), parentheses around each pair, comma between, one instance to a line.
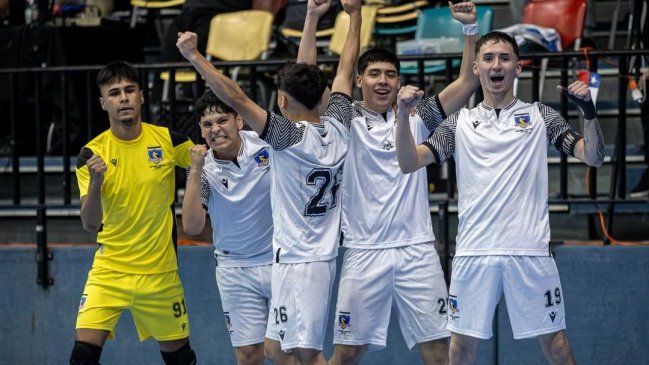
(606,290)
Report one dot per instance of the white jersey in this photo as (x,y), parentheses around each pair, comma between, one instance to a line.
(237,199)
(501,166)
(382,207)
(306,174)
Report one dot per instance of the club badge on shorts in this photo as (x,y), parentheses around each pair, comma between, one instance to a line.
(228,323)
(344,323)
(453,308)
(82,302)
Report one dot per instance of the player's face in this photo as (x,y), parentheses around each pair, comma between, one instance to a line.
(379,84)
(122,101)
(221,132)
(497,67)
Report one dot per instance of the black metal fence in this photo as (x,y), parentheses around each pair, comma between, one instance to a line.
(47,114)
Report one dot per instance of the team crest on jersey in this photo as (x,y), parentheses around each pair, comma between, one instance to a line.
(155,154)
(228,323)
(453,308)
(344,323)
(82,302)
(522,121)
(262,158)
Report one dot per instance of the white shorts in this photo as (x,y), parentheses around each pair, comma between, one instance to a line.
(532,292)
(371,281)
(301,295)
(245,296)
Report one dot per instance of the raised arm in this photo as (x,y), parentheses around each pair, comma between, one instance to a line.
(222,86)
(589,149)
(193,214)
(307,52)
(344,75)
(455,95)
(411,157)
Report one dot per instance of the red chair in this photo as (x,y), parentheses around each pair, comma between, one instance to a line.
(567,17)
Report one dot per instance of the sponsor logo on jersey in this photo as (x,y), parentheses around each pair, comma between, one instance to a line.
(475,123)
(344,323)
(262,158)
(114,161)
(522,121)
(453,308)
(82,302)
(155,154)
(387,146)
(228,323)
(224,181)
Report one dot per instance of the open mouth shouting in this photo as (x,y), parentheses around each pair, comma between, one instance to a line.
(497,79)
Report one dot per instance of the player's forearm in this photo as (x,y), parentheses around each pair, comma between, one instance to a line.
(469,79)
(593,144)
(351,48)
(229,92)
(91,212)
(223,87)
(307,52)
(455,95)
(406,147)
(193,215)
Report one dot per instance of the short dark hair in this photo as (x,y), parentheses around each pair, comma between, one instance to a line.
(210,102)
(306,83)
(374,55)
(115,72)
(496,36)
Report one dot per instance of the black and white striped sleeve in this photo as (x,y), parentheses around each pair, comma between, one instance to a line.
(281,133)
(559,132)
(431,112)
(442,141)
(205,188)
(340,108)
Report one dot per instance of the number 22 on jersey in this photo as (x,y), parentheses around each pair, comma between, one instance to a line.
(327,184)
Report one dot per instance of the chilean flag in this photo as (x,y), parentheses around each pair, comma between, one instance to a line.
(592,79)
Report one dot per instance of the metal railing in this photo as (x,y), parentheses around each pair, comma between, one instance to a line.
(58,95)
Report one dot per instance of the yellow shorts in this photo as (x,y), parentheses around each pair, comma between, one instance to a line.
(156,301)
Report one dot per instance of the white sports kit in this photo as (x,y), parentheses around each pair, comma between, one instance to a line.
(237,198)
(387,229)
(306,171)
(501,165)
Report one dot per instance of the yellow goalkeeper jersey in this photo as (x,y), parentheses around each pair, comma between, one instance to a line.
(138,229)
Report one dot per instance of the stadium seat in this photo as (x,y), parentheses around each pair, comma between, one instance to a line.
(236,36)
(437,23)
(567,17)
(162,7)
(341,27)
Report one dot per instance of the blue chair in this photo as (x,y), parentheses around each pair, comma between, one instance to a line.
(437,23)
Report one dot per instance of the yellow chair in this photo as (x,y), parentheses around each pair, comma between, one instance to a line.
(398,20)
(341,27)
(240,36)
(323,36)
(236,36)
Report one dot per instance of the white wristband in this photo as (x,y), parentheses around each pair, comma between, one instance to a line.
(470,29)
